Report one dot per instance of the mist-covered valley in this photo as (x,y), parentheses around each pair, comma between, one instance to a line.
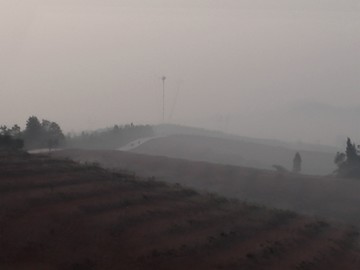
(179,134)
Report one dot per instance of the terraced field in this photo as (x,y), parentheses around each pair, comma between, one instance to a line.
(57,214)
(332,198)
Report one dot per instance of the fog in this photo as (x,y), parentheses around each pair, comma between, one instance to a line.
(280,69)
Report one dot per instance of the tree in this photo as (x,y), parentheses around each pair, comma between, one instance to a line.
(9,143)
(4,130)
(33,126)
(55,135)
(349,162)
(351,151)
(297,163)
(33,132)
(339,158)
(10,138)
(15,131)
(45,134)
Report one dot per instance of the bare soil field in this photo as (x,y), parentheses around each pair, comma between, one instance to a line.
(335,199)
(58,214)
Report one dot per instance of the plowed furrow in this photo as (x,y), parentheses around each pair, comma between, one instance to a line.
(46,181)
(208,233)
(225,243)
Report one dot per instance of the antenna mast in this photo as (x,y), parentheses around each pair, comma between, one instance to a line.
(163,80)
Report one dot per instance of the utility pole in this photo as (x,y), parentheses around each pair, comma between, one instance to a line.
(163,80)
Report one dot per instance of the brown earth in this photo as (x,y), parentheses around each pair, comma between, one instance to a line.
(333,198)
(58,214)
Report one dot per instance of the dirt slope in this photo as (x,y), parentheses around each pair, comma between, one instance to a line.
(332,198)
(56,214)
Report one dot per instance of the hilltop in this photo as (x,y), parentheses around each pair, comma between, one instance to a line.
(172,129)
(58,214)
(230,150)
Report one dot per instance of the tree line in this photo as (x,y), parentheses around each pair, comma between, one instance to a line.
(44,134)
(109,138)
(48,134)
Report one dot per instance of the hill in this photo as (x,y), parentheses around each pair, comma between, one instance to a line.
(57,214)
(333,198)
(237,152)
(171,129)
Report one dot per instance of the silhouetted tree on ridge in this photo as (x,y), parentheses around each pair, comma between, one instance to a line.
(349,162)
(33,132)
(40,135)
(297,163)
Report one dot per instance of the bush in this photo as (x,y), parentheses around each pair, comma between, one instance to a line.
(9,143)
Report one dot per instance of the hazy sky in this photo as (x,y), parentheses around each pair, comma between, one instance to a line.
(248,67)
